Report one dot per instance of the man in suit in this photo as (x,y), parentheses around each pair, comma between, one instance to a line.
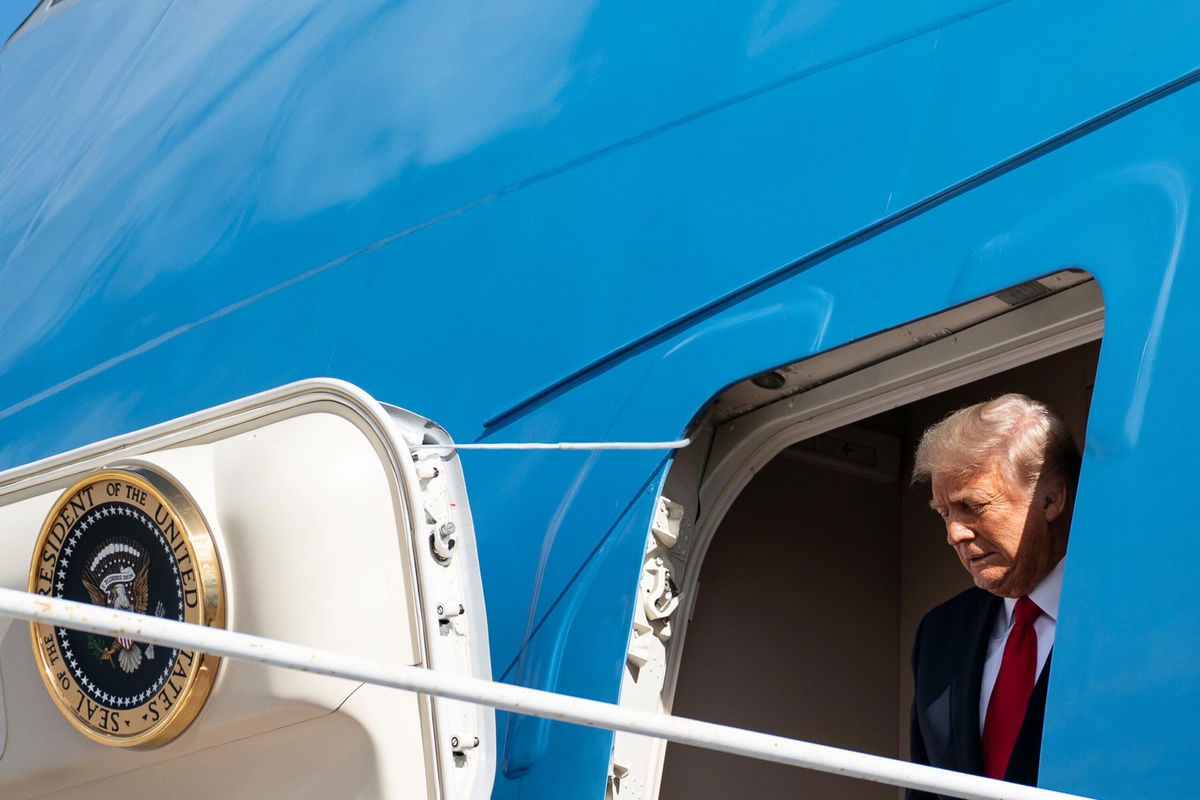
(1003,476)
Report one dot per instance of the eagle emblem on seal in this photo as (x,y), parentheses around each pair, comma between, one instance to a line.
(129,539)
(117,575)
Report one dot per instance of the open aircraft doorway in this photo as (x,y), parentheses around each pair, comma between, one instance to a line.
(795,559)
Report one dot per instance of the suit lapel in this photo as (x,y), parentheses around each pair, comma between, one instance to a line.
(964,694)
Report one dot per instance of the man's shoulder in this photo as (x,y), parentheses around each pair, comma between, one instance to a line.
(966,605)
(947,629)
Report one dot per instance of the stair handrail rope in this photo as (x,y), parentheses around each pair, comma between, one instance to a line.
(517,699)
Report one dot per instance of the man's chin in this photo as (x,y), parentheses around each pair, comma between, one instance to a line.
(990,579)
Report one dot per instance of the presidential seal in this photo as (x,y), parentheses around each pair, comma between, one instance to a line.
(127,538)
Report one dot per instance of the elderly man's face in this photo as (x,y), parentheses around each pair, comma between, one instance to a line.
(1007,540)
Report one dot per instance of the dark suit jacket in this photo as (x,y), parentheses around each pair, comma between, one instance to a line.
(948,658)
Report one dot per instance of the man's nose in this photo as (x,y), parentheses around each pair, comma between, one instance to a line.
(956,532)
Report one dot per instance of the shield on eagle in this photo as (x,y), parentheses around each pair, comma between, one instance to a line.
(117,575)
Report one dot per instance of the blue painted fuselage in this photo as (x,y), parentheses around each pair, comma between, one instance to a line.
(579,221)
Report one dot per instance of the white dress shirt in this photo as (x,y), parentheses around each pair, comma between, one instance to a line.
(1046,595)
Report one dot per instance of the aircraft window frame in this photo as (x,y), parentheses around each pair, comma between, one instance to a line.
(752,422)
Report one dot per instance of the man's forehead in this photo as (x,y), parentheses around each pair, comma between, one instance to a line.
(951,486)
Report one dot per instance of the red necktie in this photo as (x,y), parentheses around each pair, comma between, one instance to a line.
(1014,685)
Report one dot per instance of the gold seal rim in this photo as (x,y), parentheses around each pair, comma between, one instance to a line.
(201,548)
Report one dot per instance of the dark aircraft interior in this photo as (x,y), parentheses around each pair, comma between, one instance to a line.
(812,587)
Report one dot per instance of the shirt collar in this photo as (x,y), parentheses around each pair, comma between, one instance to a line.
(1046,594)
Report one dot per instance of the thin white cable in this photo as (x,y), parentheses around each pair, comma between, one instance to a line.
(518,699)
(675,445)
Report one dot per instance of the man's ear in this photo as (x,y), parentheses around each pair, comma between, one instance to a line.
(1054,502)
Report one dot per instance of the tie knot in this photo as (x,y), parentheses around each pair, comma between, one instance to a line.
(1026,611)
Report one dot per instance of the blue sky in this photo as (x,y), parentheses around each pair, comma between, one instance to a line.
(12,13)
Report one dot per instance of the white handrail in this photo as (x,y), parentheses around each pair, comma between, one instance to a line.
(518,699)
(678,444)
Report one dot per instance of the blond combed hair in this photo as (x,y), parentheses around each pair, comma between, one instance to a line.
(1022,436)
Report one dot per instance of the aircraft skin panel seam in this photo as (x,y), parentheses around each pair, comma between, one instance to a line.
(500,193)
(662,333)
(533,628)
(702,312)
